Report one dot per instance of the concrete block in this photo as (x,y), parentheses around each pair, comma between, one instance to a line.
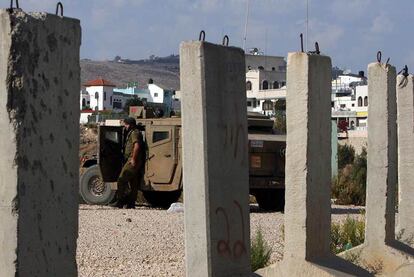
(308,173)
(216,197)
(382,154)
(405,120)
(380,246)
(308,156)
(39,122)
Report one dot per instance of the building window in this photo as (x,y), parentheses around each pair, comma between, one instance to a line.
(360,101)
(273,68)
(156,94)
(249,85)
(275,84)
(96,95)
(261,68)
(366,101)
(353,105)
(249,104)
(265,85)
(104,95)
(283,84)
(83,102)
(110,100)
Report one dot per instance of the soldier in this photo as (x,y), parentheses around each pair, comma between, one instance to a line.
(131,174)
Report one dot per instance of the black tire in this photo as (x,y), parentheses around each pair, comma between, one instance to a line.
(92,189)
(161,199)
(271,199)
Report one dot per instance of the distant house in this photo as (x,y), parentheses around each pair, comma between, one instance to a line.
(100,94)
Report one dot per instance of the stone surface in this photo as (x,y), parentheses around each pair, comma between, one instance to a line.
(39,93)
(405,120)
(215,160)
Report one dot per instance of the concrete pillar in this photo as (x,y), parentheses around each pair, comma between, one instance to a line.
(308,173)
(39,123)
(405,120)
(215,160)
(382,155)
(308,157)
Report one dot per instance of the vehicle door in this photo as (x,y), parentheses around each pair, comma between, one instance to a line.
(162,154)
(110,157)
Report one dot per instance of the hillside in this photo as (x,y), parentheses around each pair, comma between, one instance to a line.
(164,71)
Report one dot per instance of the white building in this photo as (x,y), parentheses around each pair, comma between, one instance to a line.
(350,100)
(265,82)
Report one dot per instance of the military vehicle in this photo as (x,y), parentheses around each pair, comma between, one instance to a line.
(163,182)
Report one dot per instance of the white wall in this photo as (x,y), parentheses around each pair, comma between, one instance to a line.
(102,102)
(156,93)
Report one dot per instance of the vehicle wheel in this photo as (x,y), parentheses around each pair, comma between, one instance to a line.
(162,199)
(271,199)
(92,189)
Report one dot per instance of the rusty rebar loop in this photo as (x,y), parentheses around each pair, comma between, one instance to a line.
(379,55)
(17,4)
(387,62)
(317,48)
(202,36)
(59,5)
(404,73)
(301,42)
(226,40)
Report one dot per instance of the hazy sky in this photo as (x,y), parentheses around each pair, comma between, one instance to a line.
(350,31)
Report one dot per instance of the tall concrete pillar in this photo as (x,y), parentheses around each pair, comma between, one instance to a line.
(308,157)
(382,155)
(39,123)
(215,164)
(405,120)
(308,173)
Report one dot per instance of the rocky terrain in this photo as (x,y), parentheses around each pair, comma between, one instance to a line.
(164,71)
(150,242)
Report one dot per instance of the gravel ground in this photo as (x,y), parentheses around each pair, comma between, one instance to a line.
(150,242)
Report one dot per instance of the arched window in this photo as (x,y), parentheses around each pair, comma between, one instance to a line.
(83,102)
(366,101)
(249,85)
(275,84)
(360,101)
(265,85)
(261,68)
(96,95)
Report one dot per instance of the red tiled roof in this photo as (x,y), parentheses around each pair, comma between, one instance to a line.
(99,83)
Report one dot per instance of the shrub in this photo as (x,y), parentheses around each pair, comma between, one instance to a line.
(349,187)
(346,155)
(260,251)
(350,234)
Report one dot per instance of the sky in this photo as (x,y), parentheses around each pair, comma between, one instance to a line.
(349,31)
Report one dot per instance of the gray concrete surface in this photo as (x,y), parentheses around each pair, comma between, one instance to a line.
(39,93)
(308,173)
(405,120)
(382,157)
(308,156)
(215,160)
(380,247)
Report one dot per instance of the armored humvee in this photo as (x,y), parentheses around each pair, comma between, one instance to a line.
(162,183)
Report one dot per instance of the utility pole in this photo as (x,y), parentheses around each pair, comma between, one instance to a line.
(246,23)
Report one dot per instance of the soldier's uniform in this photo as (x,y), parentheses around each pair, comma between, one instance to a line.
(128,180)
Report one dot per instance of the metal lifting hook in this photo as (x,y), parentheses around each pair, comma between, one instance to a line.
(59,4)
(301,42)
(202,36)
(226,40)
(379,55)
(404,81)
(317,48)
